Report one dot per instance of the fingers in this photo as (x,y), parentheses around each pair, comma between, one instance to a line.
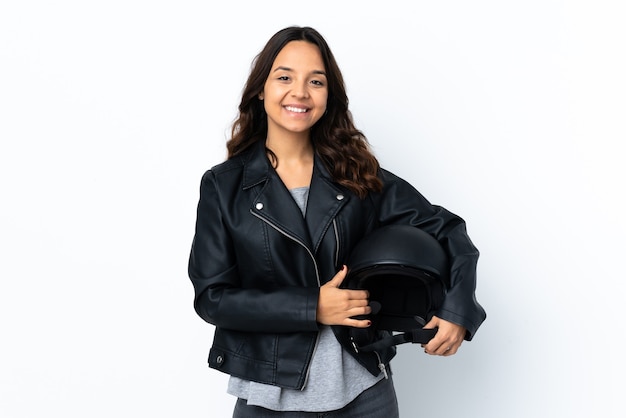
(338,278)
(448,339)
(357,295)
(358,323)
(445,349)
(337,310)
(338,306)
(359,312)
(351,294)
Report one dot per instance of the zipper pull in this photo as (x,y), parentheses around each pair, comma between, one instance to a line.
(381,365)
(383,369)
(356,348)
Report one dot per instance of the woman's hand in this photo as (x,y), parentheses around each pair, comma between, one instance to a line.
(448,339)
(337,306)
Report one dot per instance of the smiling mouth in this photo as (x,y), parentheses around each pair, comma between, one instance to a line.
(296,109)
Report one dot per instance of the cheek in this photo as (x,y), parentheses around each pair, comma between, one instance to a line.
(323,100)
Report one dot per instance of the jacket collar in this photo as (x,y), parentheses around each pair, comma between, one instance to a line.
(256,166)
(275,204)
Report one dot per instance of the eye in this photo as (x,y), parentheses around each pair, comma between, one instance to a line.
(318,83)
(283,78)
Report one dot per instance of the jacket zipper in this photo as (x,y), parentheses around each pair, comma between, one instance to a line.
(277,228)
(306,378)
(317,276)
(336,242)
(308,369)
(381,365)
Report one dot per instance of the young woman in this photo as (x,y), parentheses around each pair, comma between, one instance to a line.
(275,224)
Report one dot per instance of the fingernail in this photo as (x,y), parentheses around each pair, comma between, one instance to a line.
(369,323)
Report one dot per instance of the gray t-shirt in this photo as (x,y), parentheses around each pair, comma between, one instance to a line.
(335,377)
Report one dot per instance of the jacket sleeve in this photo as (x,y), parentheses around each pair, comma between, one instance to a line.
(401,203)
(219,297)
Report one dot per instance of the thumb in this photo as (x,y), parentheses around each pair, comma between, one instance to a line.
(338,278)
(433,323)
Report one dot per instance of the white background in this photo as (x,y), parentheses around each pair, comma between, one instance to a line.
(509,113)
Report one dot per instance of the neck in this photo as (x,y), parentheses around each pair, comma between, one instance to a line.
(294,147)
(293,160)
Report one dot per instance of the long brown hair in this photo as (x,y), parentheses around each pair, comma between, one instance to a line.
(341,146)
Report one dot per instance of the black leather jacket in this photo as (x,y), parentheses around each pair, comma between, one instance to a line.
(256,264)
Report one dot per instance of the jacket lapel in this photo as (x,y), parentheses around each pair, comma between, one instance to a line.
(274,203)
(325,201)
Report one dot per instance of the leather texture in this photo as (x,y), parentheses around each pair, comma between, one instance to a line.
(256,263)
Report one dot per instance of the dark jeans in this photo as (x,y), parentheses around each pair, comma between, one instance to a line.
(379,401)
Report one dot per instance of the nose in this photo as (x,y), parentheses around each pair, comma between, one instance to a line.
(300,90)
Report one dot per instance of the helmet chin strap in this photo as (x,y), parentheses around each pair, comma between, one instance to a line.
(415,336)
(412,327)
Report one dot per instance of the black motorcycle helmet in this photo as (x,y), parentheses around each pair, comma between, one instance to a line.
(406,273)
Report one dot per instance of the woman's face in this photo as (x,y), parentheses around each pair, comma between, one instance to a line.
(295,92)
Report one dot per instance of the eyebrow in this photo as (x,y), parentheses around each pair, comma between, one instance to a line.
(281,68)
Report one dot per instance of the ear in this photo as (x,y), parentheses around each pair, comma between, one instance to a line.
(261,96)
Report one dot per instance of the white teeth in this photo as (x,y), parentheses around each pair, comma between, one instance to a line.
(295,109)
